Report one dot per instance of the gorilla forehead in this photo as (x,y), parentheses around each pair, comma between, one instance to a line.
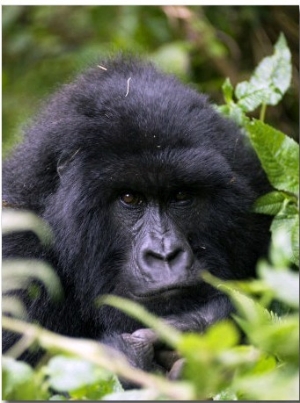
(160,170)
(132,119)
(134,103)
(139,123)
(132,107)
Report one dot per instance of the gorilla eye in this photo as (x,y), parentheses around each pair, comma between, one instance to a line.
(182,198)
(131,199)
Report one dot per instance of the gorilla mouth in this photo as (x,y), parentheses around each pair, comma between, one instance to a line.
(165,292)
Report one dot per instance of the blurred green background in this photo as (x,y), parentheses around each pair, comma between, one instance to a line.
(45,46)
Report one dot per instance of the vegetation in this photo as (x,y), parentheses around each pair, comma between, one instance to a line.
(45,46)
(219,364)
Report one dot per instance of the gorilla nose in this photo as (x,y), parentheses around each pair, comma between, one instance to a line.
(172,258)
(167,257)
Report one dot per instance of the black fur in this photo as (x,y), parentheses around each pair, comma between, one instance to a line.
(131,129)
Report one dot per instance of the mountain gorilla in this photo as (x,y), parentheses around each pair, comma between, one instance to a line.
(145,186)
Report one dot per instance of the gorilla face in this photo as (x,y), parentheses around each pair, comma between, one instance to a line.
(145,186)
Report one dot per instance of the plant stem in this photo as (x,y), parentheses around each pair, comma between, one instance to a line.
(263,112)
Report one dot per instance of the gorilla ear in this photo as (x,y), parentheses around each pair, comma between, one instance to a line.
(64,160)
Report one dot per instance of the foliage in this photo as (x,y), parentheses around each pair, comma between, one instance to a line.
(279,154)
(13,220)
(218,363)
(17,274)
(267,85)
(280,158)
(44,46)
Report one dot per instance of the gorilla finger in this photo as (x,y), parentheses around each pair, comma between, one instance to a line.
(146,334)
(139,345)
(176,371)
(166,358)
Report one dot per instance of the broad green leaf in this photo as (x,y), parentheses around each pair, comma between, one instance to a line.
(249,309)
(218,337)
(133,395)
(283,250)
(278,154)
(18,381)
(284,283)
(227,395)
(270,203)
(247,356)
(68,374)
(74,374)
(280,338)
(97,390)
(284,207)
(221,335)
(279,385)
(265,364)
(270,80)
(295,240)
(289,223)
(282,59)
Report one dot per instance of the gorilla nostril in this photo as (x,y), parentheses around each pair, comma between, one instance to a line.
(174,255)
(173,259)
(151,258)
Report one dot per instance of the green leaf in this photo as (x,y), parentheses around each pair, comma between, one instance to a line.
(249,309)
(265,364)
(288,222)
(247,356)
(80,378)
(133,395)
(280,338)
(282,74)
(282,249)
(280,385)
(67,374)
(97,390)
(218,337)
(270,203)
(278,154)
(295,240)
(284,283)
(203,352)
(227,395)
(18,381)
(58,398)
(270,80)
